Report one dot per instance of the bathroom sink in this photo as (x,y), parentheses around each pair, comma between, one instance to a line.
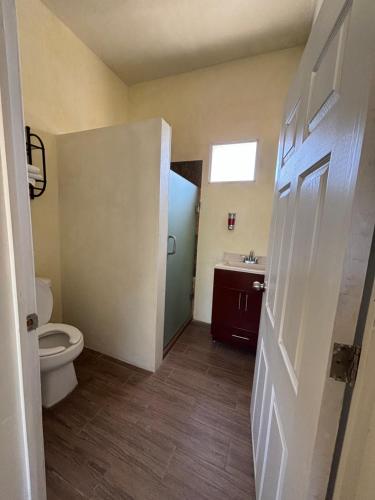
(245,265)
(234,262)
(241,266)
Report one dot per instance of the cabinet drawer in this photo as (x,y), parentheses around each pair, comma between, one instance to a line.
(235,279)
(235,336)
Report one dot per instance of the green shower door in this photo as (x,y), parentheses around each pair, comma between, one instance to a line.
(183,200)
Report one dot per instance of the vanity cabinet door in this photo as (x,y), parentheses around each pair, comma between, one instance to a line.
(228,306)
(236,308)
(251,310)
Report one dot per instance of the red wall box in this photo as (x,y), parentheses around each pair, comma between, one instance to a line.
(236,308)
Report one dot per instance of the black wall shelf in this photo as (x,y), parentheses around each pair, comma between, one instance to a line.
(34,144)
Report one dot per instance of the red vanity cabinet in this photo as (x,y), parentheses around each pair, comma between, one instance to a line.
(236,308)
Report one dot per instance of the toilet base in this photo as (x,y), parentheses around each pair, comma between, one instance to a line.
(57,384)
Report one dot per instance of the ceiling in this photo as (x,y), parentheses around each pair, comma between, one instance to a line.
(146,39)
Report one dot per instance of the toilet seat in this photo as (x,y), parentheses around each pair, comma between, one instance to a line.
(59,346)
(73,334)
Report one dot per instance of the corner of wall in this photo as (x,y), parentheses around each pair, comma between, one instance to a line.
(165,161)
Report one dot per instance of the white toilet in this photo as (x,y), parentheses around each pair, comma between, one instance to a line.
(59,346)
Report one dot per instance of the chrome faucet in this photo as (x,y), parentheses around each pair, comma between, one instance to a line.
(251,258)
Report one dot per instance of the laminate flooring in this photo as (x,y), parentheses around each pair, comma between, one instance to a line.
(180,433)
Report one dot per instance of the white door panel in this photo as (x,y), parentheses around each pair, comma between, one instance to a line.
(307,212)
(276,277)
(317,170)
(259,399)
(275,456)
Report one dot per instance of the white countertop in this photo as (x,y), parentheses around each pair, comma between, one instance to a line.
(234,262)
(241,269)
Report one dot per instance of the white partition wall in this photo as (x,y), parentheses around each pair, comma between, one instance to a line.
(114,220)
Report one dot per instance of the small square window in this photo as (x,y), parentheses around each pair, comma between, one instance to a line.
(233,162)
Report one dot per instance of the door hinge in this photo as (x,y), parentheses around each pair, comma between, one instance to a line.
(32,322)
(345,361)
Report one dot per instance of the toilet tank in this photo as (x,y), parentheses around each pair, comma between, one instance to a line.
(44,300)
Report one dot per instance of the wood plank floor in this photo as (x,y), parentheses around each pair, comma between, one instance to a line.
(181,433)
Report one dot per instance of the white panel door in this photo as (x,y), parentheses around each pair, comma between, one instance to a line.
(13,455)
(317,169)
(22,474)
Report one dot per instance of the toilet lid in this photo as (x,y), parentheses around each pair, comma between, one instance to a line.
(44,300)
(73,334)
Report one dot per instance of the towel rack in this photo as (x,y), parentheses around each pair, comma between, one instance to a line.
(34,142)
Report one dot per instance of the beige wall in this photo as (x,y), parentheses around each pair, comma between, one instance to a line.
(65,88)
(235,101)
(114,221)
(46,225)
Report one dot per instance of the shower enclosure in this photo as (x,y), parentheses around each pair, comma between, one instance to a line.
(182,217)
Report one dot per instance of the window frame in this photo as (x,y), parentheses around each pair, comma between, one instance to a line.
(228,143)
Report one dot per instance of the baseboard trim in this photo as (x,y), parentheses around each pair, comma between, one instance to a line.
(117,359)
